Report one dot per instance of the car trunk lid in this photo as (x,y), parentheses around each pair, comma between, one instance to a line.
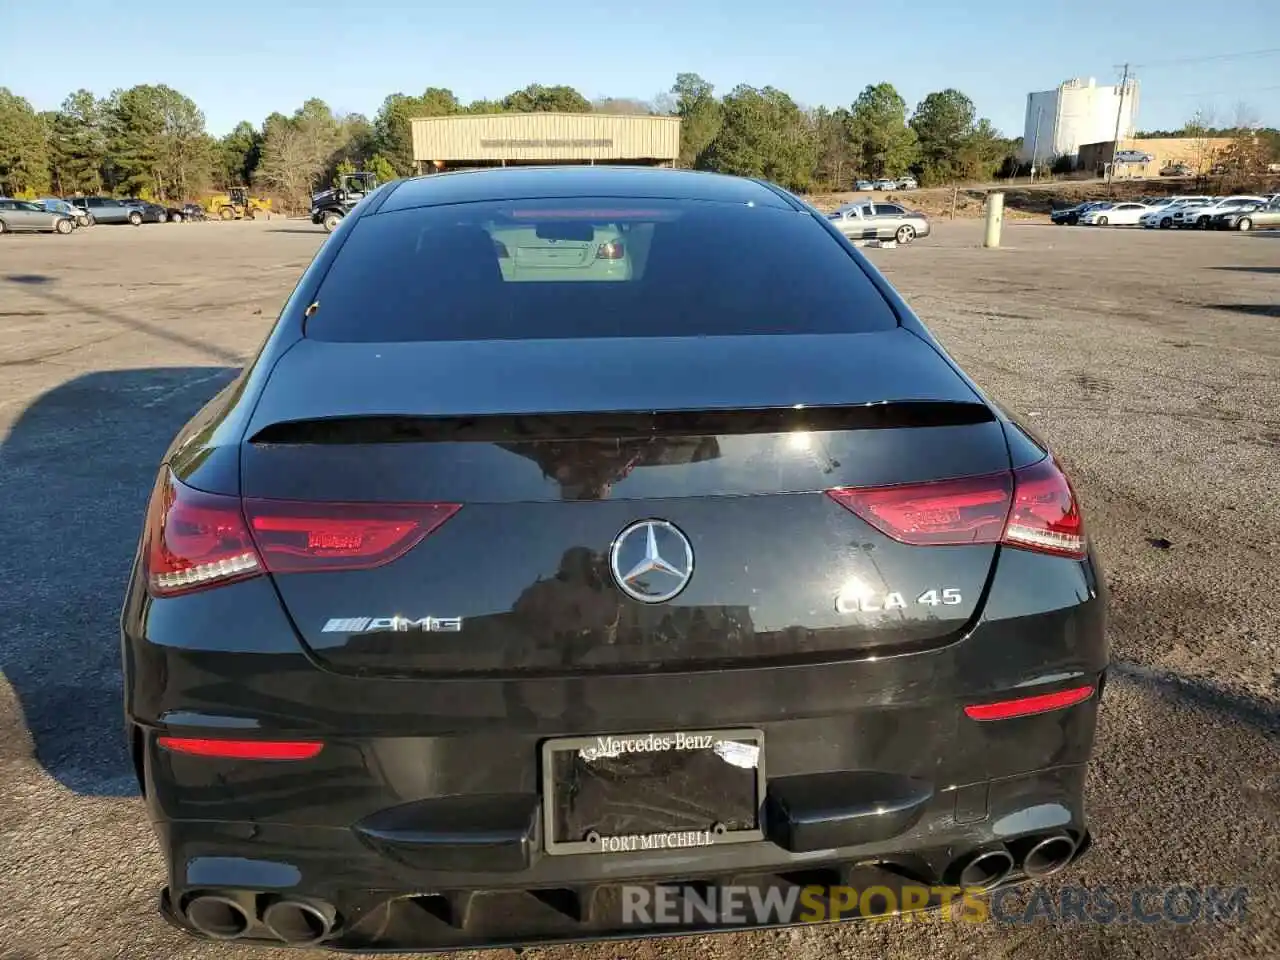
(564,456)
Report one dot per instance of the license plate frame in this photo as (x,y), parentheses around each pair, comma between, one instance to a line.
(635,843)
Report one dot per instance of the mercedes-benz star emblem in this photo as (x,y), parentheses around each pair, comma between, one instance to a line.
(652,561)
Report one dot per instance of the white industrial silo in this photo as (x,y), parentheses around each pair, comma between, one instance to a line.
(1079,111)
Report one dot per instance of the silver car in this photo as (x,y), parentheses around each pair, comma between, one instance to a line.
(54,205)
(110,210)
(22,216)
(865,220)
(1200,215)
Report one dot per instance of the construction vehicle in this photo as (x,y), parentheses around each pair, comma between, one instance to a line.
(236,204)
(329,206)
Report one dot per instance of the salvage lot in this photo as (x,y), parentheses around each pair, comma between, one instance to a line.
(1151,360)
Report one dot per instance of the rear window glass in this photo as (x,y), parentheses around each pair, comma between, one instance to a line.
(550,269)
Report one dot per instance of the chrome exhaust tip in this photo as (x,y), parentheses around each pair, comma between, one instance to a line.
(986,869)
(215,916)
(1049,856)
(299,923)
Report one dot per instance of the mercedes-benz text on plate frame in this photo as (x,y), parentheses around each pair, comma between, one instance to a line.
(652,561)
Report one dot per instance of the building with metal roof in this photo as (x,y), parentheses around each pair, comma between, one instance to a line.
(513,139)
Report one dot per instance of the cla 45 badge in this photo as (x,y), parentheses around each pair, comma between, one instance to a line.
(857,600)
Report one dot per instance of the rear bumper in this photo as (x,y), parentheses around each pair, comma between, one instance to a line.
(422,872)
(751,889)
(418,826)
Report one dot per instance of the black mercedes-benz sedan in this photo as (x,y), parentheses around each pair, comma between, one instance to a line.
(586,538)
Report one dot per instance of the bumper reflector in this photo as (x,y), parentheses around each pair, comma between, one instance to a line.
(1026,706)
(243,749)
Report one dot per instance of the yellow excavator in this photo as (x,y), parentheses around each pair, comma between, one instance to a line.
(236,204)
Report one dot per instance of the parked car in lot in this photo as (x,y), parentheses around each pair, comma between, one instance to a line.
(1070,216)
(24,216)
(1199,215)
(1252,217)
(1133,156)
(885,183)
(188,211)
(1162,216)
(109,210)
(151,212)
(1114,214)
(560,252)
(56,205)
(907,183)
(864,220)
(867,185)
(1175,170)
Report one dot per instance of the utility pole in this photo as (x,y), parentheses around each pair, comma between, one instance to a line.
(1035,142)
(1115,143)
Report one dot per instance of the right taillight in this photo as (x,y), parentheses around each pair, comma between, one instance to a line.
(195,540)
(1032,509)
(965,510)
(613,250)
(1045,515)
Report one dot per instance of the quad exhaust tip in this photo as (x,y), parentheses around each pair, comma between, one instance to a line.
(216,916)
(299,923)
(986,869)
(1049,856)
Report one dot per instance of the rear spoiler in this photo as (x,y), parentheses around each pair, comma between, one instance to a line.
(625,425)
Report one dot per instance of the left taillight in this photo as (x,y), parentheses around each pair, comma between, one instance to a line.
(613,250)
(299,537)
(242,749)
(195,540)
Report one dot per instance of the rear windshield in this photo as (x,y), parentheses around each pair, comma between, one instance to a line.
(551,269)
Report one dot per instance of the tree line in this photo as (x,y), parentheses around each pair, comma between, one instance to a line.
(150,140)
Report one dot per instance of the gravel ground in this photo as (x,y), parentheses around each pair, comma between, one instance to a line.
(1151,360)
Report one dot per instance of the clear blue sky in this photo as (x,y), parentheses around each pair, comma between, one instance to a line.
(239,60)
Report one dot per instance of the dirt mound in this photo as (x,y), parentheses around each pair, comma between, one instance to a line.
(936,203)
(1036,201)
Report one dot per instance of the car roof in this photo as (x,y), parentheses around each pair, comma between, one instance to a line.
(545,183)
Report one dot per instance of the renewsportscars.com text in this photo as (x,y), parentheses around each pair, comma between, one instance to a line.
(751,906)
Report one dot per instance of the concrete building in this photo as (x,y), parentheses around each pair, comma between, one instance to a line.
(1077,112)
(509,139)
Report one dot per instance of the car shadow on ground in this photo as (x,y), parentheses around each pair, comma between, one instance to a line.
(40,286)
(1251,309)
(75,473)
(1239,708)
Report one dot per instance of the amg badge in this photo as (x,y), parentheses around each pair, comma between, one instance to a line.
(397,624)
